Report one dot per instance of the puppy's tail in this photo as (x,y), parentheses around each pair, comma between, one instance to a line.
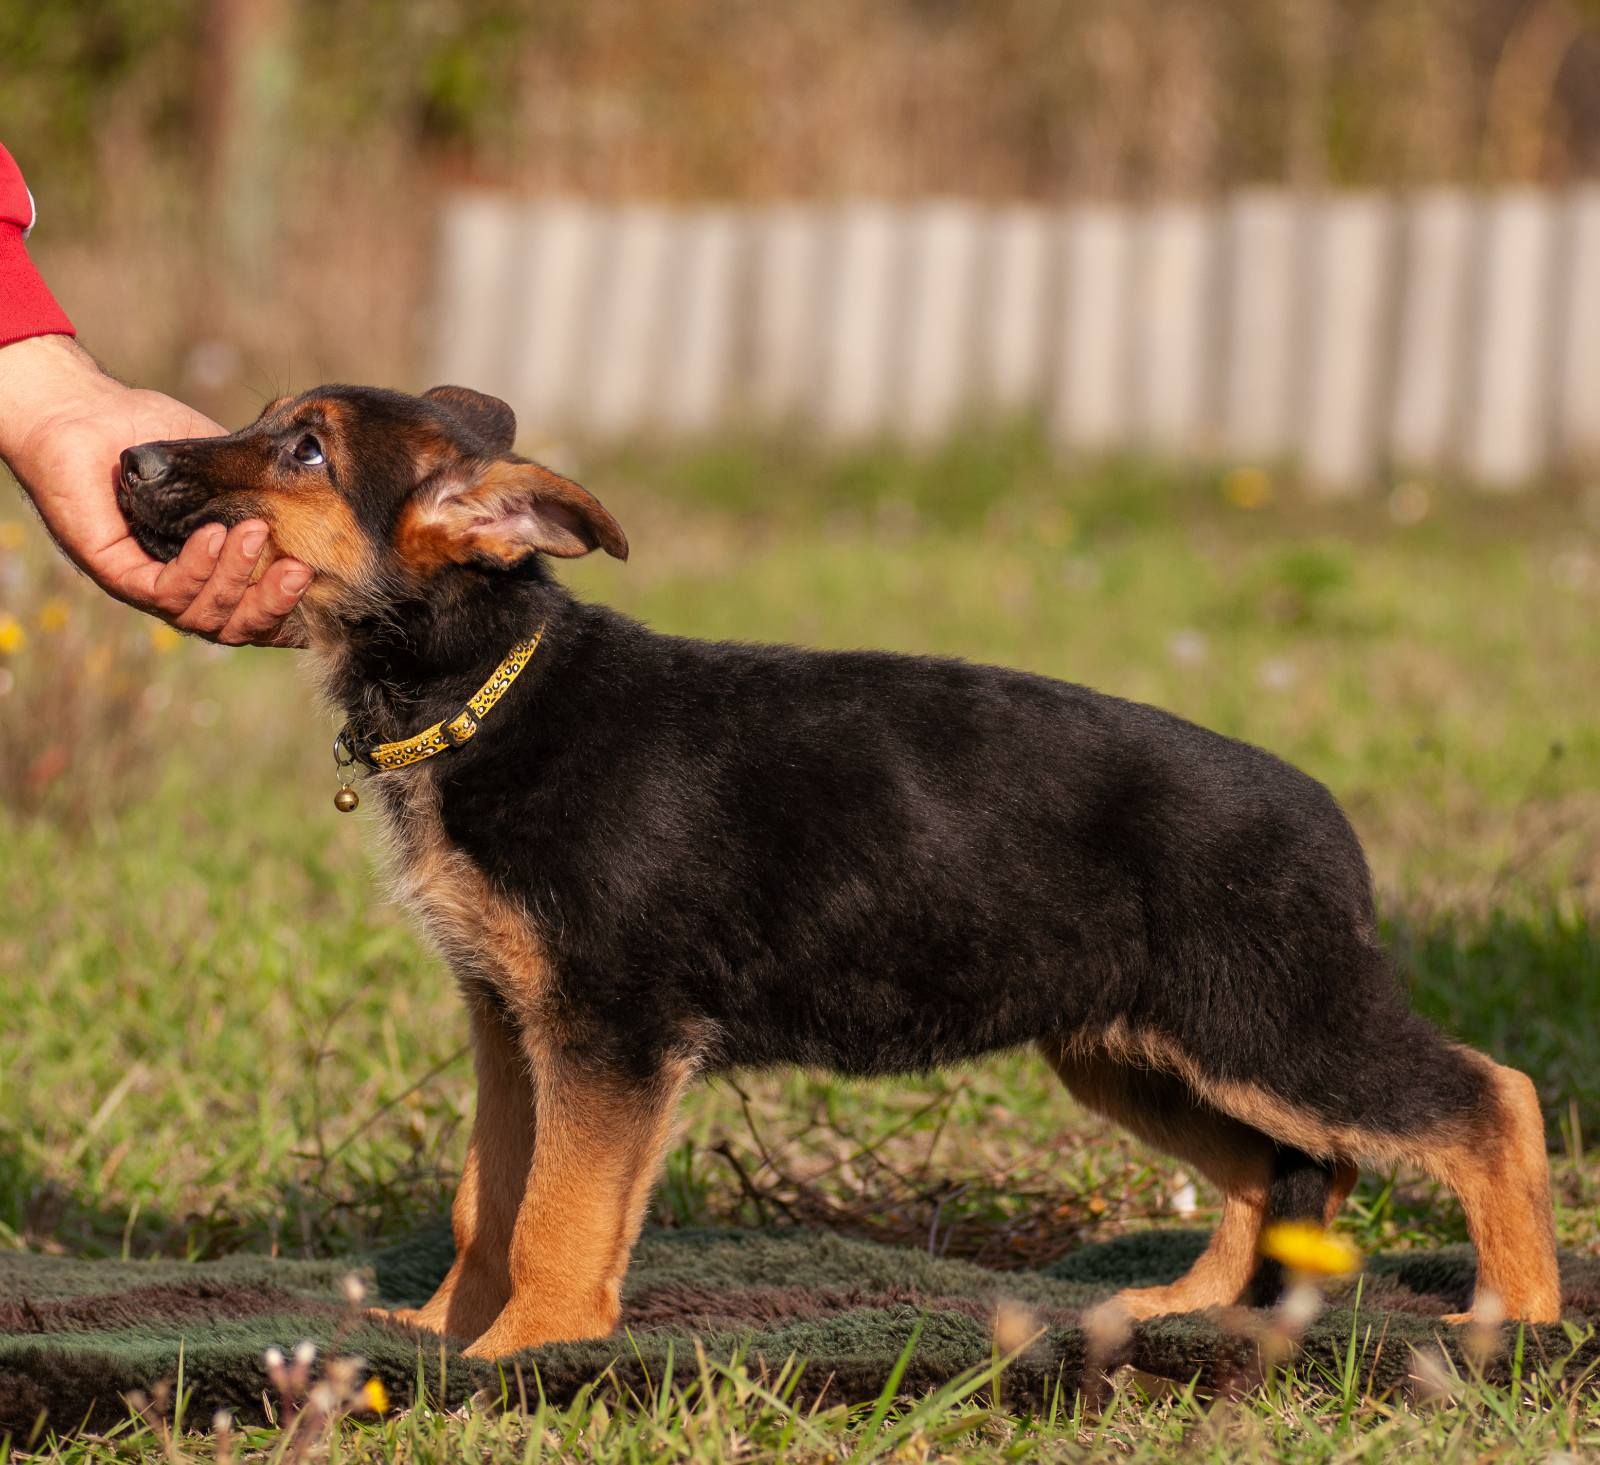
(1300,1189)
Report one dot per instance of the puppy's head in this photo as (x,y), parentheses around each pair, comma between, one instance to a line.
(387,497)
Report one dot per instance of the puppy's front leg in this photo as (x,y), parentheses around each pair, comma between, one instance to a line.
(493,1183)
(600,1142)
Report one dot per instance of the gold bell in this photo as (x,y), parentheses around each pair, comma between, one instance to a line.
(345,800)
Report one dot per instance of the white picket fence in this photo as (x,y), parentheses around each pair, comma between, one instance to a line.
(1350,333)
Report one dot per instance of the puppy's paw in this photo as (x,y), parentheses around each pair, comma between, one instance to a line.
(513,1331)
(499,1340)
(407,1317)
(1139,1303)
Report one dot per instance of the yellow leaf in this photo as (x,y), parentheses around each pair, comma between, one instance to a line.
(12,636)
(374,1396)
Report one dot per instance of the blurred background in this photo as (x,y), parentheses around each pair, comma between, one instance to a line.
(1343,233)
(1241,357)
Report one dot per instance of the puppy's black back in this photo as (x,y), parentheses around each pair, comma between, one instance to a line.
(882,863)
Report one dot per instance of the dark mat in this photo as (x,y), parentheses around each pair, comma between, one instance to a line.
(77,1336)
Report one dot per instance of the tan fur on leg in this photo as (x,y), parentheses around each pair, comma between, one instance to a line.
(1345,1175)
(493,1182)
(1220,1273)
(1503,1181)
(1494,1160)
(599,1146)
(1235,1158)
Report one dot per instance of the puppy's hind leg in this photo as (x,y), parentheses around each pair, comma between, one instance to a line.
(1500,1171)
(1257,1178)
(1396,1091)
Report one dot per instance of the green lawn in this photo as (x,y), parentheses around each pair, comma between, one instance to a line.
(217,1035)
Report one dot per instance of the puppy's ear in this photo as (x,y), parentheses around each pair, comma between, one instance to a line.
(505,512)
(487,416)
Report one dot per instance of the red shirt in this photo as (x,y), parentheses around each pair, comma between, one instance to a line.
(27,308)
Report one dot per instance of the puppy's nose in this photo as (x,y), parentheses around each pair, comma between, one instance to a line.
(146,466)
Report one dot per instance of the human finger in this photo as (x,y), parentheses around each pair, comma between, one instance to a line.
(215,602)
(183,577)
(258,618)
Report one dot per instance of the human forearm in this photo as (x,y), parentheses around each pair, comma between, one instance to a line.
(40,378)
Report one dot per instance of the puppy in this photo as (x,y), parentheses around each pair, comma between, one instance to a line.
(646,858)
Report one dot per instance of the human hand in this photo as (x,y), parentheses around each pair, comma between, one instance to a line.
(63,426)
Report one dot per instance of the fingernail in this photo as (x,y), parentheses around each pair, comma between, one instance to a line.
(253,540)
(296,580)
(214,541)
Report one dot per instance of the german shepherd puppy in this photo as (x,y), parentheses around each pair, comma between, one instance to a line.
(662,857)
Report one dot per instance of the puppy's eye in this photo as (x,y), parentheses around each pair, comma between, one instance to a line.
(308,451)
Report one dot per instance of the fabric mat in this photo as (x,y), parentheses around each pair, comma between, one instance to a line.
(77,1336)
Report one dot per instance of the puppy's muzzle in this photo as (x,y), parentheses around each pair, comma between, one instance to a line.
(145,467)
(160,508)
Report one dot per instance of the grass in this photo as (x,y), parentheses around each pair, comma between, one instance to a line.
(727,1411)
(218,1035)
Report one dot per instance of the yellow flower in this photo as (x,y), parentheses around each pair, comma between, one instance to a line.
(1247,488)
(11,635)
(163,639)
(52,616)
(11,534)
(1303,1246)
(374,1396)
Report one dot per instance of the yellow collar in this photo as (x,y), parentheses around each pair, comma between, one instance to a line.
(450,732)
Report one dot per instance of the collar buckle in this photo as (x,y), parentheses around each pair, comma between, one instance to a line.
(459,729)
(344,752)
(347,753)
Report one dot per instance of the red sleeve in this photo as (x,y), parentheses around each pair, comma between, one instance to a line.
(27,308)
